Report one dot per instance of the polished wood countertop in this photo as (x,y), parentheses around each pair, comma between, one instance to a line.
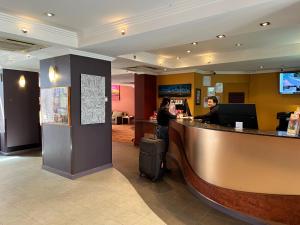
(198,124)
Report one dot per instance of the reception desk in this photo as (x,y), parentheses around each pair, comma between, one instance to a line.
(252,173)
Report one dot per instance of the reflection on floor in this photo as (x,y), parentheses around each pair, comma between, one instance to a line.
(123,133)
(32,196)
(169,199)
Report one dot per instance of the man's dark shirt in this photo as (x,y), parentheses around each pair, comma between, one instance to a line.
(211,117)
(163,117)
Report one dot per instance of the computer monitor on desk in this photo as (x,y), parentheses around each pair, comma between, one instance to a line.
(231,113)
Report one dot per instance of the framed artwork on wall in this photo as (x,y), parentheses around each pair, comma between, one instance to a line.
(175,90)
(198,96)
(92,99)
(115,92)
(211,91)
(55,106)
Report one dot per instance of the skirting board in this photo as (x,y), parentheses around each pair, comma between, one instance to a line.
(217,206)
(77,175)
(20,151)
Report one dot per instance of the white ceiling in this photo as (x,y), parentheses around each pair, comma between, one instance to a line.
(157,32)
(79,15)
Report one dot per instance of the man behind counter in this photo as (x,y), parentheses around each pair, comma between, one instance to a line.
(213,115)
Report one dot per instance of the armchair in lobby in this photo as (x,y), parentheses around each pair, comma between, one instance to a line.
(117,117)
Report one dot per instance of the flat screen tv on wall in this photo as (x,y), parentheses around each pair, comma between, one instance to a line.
(289,83)
(175,90)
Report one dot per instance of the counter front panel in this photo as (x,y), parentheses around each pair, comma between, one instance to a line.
(255,173)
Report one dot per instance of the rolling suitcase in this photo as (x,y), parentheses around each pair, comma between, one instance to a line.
(151,158)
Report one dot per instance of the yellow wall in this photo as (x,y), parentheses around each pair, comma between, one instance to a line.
(260,89)
(264,92)
(184,78)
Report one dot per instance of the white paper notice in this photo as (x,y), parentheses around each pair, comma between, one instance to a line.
(239,125)
(206,81)
(219,87)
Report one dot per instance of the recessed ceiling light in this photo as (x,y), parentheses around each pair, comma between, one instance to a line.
(221,36)
(50,14)
(177,57)
(188,51)
(195,43)
(265,24)
(238,44)
(261,67)
(24,30)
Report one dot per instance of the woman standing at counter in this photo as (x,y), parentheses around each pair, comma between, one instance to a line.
(213,115)
(163,118)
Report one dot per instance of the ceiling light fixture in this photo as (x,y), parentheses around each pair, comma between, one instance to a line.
(261,67)
(123,32)
(24,30)
(221,36)
(238,44)
(50,14)
(195,43)
(165,69)
(177,57)
(265,24)
(188,51)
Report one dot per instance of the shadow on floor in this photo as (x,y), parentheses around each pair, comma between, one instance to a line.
(169,198)
(33,153)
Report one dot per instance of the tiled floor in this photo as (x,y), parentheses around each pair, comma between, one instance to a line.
(170,198)
(32,196)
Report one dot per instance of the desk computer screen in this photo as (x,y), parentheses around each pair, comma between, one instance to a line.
(231,113)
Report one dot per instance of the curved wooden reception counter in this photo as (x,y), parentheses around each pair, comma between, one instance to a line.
(251,172)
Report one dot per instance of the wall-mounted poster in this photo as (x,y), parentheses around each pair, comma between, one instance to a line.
(55,105)
(115,92)
(198,96)
(219,87)
(175,90)
(92,99)
(206,81)
(211,91)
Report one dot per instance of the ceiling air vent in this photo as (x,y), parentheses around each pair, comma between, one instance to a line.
(15,45)
(144,68)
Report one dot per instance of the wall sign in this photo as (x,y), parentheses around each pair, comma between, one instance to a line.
(92,99)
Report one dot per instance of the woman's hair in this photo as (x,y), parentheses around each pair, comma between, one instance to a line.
(214,98)
(164,102)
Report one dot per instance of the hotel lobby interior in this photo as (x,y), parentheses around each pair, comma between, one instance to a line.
(81,83)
